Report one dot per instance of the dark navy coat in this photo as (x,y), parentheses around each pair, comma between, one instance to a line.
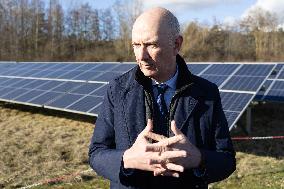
(198,114)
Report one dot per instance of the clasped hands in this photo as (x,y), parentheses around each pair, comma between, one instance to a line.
(166,157)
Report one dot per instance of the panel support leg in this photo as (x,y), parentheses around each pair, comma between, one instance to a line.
(248,119)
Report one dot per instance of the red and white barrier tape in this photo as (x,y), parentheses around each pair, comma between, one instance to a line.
(61,178)
(258,138)
(57,179)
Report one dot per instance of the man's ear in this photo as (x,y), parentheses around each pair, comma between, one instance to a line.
(178,43)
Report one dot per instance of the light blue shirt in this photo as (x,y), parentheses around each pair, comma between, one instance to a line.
(170,90)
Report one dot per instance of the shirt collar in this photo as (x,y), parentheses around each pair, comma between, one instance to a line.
(171,82)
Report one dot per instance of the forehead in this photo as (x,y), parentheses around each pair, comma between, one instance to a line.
(149,31)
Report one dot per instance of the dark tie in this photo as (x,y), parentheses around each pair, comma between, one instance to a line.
(161,99)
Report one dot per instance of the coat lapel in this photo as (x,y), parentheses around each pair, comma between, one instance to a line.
(134,112)
(184,110)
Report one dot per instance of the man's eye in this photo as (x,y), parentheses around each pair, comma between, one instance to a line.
(153,46)
(136,45)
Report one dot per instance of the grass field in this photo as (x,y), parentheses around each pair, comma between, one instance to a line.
(37,145)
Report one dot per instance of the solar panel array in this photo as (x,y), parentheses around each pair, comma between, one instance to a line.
(79,87)
(74,87)
(273,88)
(238,84)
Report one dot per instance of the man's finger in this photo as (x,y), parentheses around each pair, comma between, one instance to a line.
(155,136)
(157,148)
(174,128)
(165,172)
(175,167)
(173,154)
(149,127)
(170,141)
(171,167)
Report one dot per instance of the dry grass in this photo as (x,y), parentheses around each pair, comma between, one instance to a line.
(38,145)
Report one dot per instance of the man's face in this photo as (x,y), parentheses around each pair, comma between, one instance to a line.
(154,50)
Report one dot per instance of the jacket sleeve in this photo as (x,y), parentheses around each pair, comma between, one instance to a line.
(103,157)
(219,162)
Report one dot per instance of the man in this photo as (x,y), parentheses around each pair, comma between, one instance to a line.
(160,126)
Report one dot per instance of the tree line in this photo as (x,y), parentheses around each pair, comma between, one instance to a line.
(38,30)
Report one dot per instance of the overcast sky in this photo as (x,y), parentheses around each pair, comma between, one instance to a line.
(202,10)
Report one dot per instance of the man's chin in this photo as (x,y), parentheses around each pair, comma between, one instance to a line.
(149,73)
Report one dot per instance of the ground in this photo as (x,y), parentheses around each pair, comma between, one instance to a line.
(39,145)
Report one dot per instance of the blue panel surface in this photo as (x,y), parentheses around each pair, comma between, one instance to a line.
(40,74)
(65,100)
(5,90)
(89,66)
(44,98)
(22,83)
(71,74)
(85,104)
(72,66)
(55,74)
(107,76)
(254,70)
(88,75)
(60,66)
(235,101)
(105,67)
(96,110)
(281,75)
(86,88)
(101,91)
(3,80)
(67,86)
(275,95)
(35,84)
(221,69)
(231,117)
(49,85)
(263,90)
(278,85)
(196,68)
(218,80)
(124,67)
(15,93)
(10,82)
(28,96)
(243,83)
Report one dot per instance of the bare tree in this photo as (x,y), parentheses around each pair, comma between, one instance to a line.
(127,11)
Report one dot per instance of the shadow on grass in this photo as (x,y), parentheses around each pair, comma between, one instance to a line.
(267,120)
(49,112)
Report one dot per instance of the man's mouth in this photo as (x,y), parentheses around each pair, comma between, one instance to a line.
(147,64)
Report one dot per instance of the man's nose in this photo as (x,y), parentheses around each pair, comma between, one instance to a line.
(143,53)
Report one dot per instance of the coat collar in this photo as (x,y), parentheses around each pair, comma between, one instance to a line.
(184,76)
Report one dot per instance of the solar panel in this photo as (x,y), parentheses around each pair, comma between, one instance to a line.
(273,89)
(196,68)
(64,100)
(221,69)
(243,83)
(85,104)
(66,86)
(107,76)
(87,88)
(255,70)
(80,87)
(13,93)
(28,96)
(218,80)
(44,98)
